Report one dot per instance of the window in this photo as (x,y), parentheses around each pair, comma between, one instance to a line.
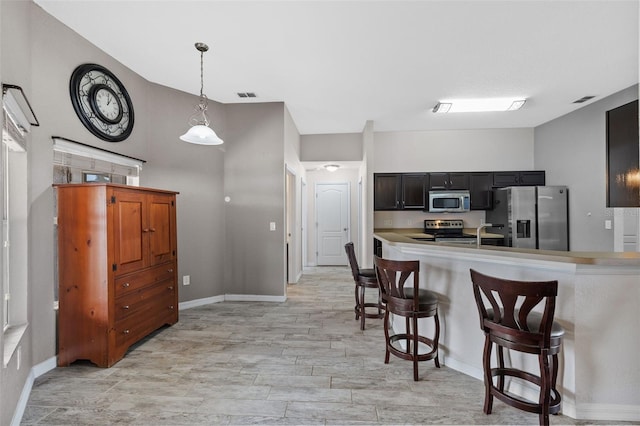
(14,234)
(74,162)
(17,119)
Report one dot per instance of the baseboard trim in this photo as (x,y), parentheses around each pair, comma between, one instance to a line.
(609,412)
(253,298)
(36,371)
(199,302)
(231,298)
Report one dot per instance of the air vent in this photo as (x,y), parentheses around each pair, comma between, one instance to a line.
(583,99)
(246,95)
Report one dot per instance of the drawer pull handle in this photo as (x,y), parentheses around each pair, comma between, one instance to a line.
(125,307)
(125,285)
(125,331)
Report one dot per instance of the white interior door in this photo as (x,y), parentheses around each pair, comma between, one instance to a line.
(332,216)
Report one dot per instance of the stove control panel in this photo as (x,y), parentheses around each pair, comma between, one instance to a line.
(437,224)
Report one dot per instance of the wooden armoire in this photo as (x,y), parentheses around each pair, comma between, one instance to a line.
(117,268)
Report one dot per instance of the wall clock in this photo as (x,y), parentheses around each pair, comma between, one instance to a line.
(101,102)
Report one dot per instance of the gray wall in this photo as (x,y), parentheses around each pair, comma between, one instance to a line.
(14,19)
(572,149)
(331,147)
(196,171)
(254,180)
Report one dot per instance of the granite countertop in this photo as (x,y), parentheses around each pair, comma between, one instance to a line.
(405,235)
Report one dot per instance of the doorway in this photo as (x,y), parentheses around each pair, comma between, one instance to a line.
(332,221)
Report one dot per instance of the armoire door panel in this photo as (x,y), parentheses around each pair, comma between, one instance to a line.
(162,245)
(131,230)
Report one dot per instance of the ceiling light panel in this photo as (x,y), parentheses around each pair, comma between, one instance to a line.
(479,105)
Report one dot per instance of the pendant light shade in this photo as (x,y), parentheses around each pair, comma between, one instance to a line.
(200,133)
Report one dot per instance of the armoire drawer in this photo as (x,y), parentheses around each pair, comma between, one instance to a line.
(143,298)
(152,316)
(133,282)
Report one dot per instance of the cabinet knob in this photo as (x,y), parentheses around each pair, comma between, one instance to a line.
(125,307)
(125,331)
(171,307)
(152,229)
(125,285)
(145,230)
(170,270)
(170,287)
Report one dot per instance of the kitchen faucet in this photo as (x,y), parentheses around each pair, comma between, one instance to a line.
(479,229)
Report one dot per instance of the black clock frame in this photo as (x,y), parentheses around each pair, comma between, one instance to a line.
(89,113)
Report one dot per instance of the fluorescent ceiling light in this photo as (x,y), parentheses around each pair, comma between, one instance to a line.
(479,105)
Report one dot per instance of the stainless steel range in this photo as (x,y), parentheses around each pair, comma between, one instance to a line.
(448,231)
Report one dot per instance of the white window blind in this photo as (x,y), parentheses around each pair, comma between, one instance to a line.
(79,158)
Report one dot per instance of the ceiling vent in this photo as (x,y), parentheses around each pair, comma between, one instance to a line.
(583,99)
(246,95)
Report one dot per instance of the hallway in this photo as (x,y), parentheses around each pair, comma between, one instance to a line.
(302,362)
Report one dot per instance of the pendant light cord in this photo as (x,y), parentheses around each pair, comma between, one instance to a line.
(201,72)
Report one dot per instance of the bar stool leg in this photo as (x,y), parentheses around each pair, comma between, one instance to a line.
(488,381)
(436,337)
(545,387)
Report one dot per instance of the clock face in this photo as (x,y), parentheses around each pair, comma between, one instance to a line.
(101,102)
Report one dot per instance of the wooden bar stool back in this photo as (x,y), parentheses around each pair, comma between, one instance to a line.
(403,297)
(363,278)
(508,321)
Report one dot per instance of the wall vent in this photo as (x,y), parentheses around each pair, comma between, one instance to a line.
(246,95)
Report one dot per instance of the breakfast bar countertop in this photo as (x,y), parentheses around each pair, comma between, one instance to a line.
(402,236)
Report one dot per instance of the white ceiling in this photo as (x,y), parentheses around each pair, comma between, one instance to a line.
(337,64)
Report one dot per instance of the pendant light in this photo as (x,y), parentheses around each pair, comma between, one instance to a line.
(200,133)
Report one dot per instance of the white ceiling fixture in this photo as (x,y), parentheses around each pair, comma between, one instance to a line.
(200,133)
(479,105)
(332,167)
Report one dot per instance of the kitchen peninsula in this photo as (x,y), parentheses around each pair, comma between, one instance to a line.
(598,305)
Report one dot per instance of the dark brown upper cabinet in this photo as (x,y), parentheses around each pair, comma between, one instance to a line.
(451,180)
(480,190)
(399,191)
(623,174)
(521,178)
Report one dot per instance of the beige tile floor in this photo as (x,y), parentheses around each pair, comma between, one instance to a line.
(302,362)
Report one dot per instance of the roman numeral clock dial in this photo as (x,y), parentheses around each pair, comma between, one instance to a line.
(101,102)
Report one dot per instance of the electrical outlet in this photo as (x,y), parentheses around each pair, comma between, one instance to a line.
(56,305)
(186,279)
(607,224)
(272,226)
(388,222)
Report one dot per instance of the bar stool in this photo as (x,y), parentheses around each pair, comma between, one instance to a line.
(363,278)
(508,322)
(411,302)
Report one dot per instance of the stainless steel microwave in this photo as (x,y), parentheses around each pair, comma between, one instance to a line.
(449,201)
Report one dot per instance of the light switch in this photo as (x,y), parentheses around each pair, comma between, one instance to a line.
(607,224)
(272,226)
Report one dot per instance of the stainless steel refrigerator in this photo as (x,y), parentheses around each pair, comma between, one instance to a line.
(531,216)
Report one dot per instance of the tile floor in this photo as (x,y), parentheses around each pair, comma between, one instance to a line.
(302,362)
